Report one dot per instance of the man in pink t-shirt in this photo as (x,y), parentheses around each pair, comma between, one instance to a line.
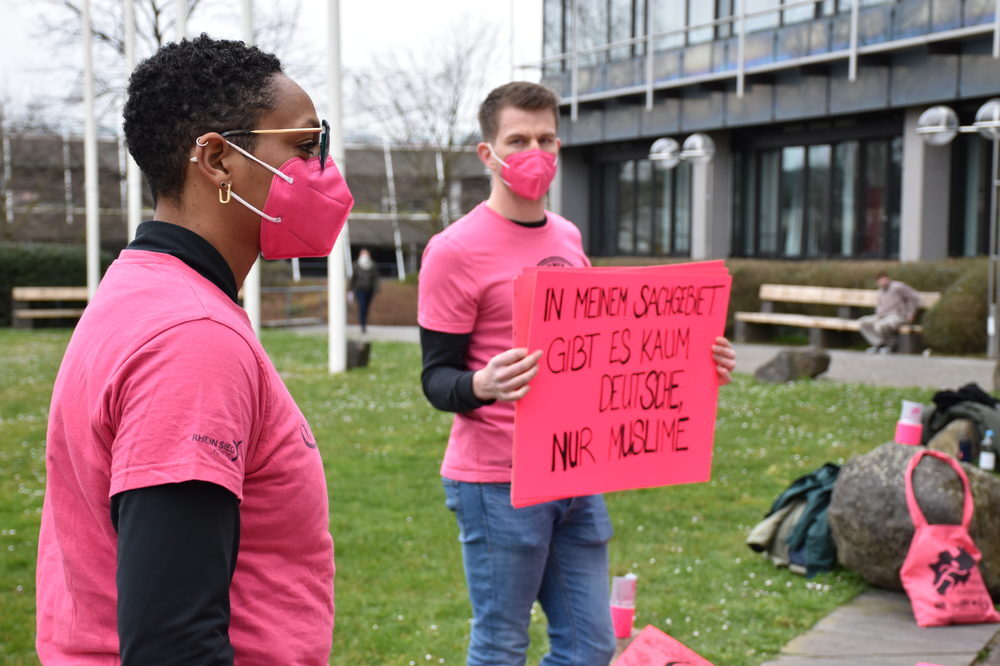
(186,511)
(555,552)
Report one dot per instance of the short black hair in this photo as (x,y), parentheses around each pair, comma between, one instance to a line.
(520,95)
(188,88)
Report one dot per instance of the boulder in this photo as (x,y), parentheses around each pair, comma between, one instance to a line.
(792,364)
(871,525)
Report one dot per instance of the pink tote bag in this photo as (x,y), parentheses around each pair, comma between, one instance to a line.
(941,571)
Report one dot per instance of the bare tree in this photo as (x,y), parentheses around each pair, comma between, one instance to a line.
(61,26)
(428,98)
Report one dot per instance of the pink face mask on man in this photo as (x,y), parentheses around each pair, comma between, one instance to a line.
(305,210)
(528,173)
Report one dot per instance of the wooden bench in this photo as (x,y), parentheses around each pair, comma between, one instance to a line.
(23,314)
(849,304)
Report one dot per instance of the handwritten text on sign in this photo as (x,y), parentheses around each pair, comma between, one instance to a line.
(625,397)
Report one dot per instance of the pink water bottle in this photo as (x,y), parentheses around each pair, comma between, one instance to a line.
(909,429)
(623,604)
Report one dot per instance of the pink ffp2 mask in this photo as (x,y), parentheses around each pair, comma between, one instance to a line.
(528,173)
(306,208)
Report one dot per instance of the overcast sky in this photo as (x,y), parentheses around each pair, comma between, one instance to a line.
(31,66)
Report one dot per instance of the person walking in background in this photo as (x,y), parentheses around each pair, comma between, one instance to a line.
(364,285)
(555,552)
(186,513)
(897,304)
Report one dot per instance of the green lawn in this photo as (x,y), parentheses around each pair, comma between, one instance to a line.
(400,588)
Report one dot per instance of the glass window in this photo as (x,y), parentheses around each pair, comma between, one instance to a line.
(552,31)
(792,198)
(626,208)
(724,9)
(970,184)
(644,207)
(874,198)
(818,208)
(665,211)
(798,14)
(620,26)
(770,163)
(764,20)
(669,17)
(682,209)
(895,179)
(592,16)
(609,209)
(700,12)
(845,166)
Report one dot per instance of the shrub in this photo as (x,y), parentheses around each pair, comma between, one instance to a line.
(42,265)
(957,324)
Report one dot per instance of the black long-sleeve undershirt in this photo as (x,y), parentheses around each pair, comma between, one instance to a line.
(446,379)
(177,547)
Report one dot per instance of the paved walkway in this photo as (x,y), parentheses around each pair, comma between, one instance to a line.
(876,628)
(932,372)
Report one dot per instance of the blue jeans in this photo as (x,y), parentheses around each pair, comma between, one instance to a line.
(556,552)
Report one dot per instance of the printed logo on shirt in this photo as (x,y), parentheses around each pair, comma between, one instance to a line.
(554,261)
(307,436)
(229,449)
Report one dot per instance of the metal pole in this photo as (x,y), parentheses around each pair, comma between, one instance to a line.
(251,285)
(996,30)
(993,340)
(335,263)
(90,160)
(181,7)
(741,51)
(574,108)
(852,67)
(133,178)
(8,195)
(67,178)
(390,181)
(445,203)
(650,26)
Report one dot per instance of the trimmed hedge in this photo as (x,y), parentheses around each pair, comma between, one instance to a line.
(42,265)
(956,325)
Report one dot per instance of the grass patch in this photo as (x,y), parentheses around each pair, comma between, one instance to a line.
(400,587)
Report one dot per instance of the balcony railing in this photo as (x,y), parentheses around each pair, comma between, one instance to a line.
(595,73)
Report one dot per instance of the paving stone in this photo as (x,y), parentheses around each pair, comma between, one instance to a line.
(877,629)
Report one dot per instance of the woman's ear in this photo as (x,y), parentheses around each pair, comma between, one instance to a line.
(211,156)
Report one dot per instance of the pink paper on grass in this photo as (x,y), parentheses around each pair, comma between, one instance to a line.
(652,647)
(626,392)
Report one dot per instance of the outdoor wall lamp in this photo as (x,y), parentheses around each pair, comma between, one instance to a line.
(666,153)
(938,126)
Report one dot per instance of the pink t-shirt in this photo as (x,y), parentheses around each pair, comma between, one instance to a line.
(467,286)
(164,382)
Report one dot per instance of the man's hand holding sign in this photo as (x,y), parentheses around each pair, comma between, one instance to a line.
(624,392)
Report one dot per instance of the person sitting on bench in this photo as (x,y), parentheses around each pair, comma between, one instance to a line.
(897,304)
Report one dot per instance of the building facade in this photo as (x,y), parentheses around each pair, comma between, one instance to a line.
(812,106)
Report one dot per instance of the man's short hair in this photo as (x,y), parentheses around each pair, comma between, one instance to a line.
(520,95)
(189,88)
(881,274)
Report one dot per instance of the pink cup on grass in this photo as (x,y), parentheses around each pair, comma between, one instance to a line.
(623,604)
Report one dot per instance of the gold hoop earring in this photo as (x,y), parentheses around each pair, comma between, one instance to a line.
(228,190)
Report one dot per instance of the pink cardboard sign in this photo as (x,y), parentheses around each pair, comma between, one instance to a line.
(652,647)
(626,392)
